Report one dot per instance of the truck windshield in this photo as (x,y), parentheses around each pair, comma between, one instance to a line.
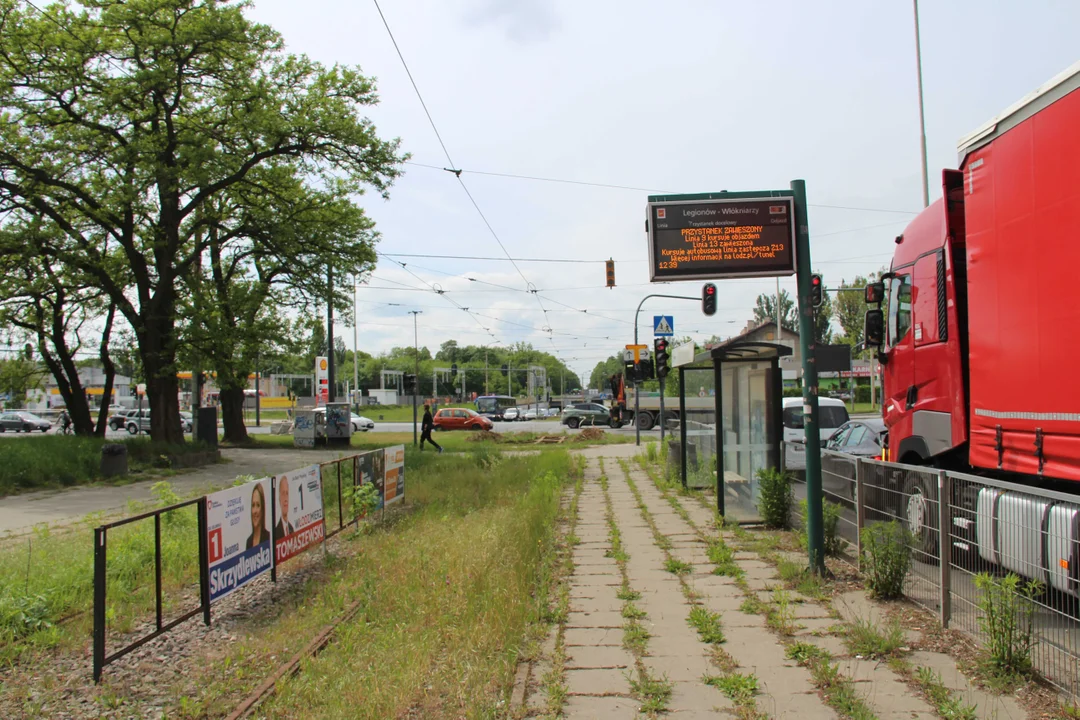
(899,308)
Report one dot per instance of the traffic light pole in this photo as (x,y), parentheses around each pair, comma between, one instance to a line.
(807,345)
(416,372)
(637,401)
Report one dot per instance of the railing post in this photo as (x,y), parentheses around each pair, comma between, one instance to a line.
(945,545)
(860,508)
(273,529)
(99,602)
(157,568)
(340,508)
(204,560)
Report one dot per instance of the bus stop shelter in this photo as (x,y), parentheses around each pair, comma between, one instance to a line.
(731,424)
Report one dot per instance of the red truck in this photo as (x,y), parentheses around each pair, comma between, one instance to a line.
(980,336)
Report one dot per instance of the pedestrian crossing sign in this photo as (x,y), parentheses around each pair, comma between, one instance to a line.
(663,325)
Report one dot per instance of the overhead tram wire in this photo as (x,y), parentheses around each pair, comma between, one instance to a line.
(446,152)
(628,187)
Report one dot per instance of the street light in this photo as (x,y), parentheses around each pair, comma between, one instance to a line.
(922,116)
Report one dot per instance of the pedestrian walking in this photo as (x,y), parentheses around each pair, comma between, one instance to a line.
(426,426)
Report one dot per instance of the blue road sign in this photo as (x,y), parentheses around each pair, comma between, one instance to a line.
(663,325)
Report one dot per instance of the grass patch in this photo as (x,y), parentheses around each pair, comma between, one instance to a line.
(678,567)
(654,693)
(469,603)
(635,637)
(740,688)
(625,593)
(722,556)
(839,691)
(781,614)
(58,461)
(708,625)
(948,706)
(630,611)
(806,653)
(864,638)
(753,605)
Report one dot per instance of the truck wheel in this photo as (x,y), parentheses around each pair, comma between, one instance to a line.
(644,420)
(920,515)
(573,423)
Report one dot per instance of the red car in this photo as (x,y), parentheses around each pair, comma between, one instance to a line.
(460,419)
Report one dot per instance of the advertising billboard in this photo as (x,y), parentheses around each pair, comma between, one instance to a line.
(304,430)
(371,469)
(238,536)
(322,380)
(710,237)
(393,474)
(298,511)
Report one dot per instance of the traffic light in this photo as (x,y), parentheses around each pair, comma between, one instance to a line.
(708,299)
(630,368)
(453,369)
(660,355)
(817,290)
(645,369)
(504,369)
(610,273)
(410,383)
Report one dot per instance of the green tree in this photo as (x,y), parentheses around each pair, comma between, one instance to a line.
(19,376)
(125,120)
(851,308)
(823,315)
(765,310)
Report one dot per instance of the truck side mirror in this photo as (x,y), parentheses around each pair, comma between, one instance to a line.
(875,293)
(874,328)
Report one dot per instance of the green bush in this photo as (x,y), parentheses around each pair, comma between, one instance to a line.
(831,513)
(792,392)
(862,393)
(776,497)
(886,551)
(1008,619)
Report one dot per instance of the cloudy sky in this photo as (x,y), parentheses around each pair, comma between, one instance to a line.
(684,96)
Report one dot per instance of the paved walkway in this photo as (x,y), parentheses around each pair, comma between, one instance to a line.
(19,513)
(641,564)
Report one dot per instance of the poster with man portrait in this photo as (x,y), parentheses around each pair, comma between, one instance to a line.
(298,512)
(393,474)
(238,536)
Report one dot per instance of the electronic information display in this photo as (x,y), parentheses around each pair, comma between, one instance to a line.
(724,238)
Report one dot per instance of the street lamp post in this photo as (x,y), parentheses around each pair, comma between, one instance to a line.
(922,116)
(416,371)
(637,403)
(355,322)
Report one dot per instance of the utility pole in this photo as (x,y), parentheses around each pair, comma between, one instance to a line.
(485,370)
(355,322)
(416,371)
(330,332)
(922,115)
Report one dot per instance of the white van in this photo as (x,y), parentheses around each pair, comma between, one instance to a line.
(832,414)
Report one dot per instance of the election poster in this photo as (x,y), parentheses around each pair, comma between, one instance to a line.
(369,469)
(238,536)
(298,521)
(393,474)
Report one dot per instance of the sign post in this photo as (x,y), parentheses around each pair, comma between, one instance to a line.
(638,351)
(807,346)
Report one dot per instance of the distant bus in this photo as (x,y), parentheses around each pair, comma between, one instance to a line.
(492,406)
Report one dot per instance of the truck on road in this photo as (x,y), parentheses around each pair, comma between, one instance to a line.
(648,416)
(980,341)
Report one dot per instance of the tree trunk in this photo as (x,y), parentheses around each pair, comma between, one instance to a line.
(110,373)
(232,415)
(157,347)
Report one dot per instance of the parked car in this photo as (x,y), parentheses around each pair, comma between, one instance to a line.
(551,412)
(137,421)
(22,421)
(186,421)
(855,439)
(831,415)
(118,420)
(511,414)
(531,415)
(361,423)
(461,419)
(585,414)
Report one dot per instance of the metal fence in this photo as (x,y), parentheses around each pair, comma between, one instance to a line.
(101,533)
(991,528)
(338,510)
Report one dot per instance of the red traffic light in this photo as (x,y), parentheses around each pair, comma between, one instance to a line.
(708,299)
(710,289)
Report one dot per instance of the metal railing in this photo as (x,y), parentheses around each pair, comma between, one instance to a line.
(990,527)
(101,657)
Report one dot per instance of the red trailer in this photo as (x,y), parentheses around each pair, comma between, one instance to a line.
(982,330)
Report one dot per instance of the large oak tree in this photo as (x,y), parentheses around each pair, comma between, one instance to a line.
(122,120)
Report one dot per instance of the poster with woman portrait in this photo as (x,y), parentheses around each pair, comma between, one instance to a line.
(238,536)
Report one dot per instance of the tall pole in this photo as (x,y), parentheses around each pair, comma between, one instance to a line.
(330,332)
(922,116)
(811,423)
(355,322)
(637,403)
(485,370)
(416,371)
(779,327)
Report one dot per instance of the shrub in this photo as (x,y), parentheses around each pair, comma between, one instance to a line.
(792,392)
(862,394)
(887,558)
(776,497)
(1008,619)
(830,513)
